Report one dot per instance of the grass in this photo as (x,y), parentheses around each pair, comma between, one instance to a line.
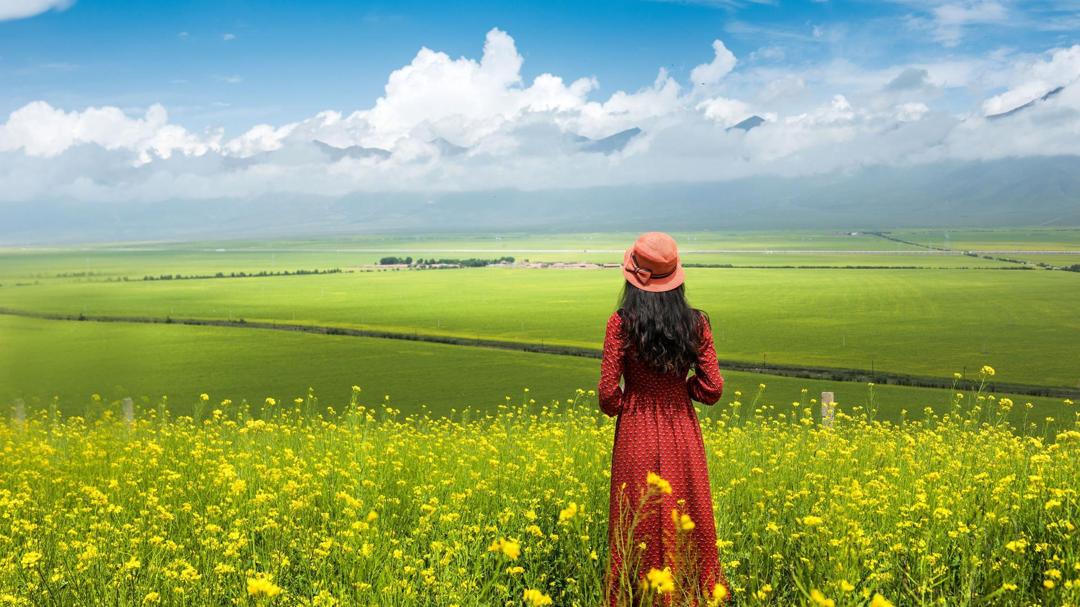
(137,260)
(928,322)
(265,478)
(71,361)
(351,504)
(1037,239)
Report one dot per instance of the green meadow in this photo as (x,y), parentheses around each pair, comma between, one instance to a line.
(924,322)
(952,313)
(1016,239)
(70,361)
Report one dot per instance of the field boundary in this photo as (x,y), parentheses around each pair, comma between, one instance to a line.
(786,370)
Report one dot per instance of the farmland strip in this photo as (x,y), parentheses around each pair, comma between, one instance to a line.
(787,370)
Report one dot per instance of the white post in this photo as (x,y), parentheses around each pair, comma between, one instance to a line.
(828,409)
(19,413)
(127,406)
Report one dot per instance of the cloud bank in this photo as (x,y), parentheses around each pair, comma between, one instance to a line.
(21,9)
(463,124)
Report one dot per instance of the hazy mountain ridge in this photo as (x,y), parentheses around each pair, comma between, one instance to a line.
(1019,191)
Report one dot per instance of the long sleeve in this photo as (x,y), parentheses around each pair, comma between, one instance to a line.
(706,384)
(611,368)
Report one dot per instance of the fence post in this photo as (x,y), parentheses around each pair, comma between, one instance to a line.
(828,409)
(18,413)
(127,406)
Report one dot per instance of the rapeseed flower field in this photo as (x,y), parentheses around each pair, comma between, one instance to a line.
(302,503)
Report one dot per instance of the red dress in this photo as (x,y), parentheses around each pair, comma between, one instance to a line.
(658,431)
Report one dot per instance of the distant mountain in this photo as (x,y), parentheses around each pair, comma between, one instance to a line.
(448,149)
(1021,108)
(748,123)
(1014,191)
(353,151)
(609,144)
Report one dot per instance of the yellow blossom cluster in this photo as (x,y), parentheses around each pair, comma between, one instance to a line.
(361,505)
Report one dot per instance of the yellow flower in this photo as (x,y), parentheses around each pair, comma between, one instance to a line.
(371,516)
(812,521)
(132,564)
(718,594)
(660,580)
(682,522)
(204,397)
(151,598)
(654,480)
(535,598)
(987,370)
(262,586)
(880,601)
(510,548)
(1016,545)
(569,512)
(817,598)
(30,559)
(846,586)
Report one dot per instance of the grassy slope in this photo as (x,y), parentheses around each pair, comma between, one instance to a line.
(137,260)
(916,321)
(1049,239)
(16,268)
(72,360)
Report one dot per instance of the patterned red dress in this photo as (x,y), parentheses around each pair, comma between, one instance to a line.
(658,431)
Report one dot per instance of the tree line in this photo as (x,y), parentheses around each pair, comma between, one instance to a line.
(470,262)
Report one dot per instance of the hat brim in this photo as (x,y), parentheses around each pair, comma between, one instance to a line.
(654,285)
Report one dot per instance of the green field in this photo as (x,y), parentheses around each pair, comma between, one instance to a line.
(137,260)
(1018,239)
(954,314)
(71,361)
(926,322)
(1054,259)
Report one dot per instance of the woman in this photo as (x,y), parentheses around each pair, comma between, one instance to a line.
(652,342)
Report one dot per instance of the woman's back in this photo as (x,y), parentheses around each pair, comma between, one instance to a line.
(645,385)
(650,345)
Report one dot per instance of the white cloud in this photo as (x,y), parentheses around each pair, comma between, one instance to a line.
(725,111)
(948,20)
(463,124)
(1035,78)
(228,37)
(38,129)
(721,65)
(21,9)
(911,111)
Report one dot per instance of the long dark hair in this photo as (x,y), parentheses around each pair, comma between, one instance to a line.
(661,328)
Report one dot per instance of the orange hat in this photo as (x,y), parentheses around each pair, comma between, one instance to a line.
(652,263)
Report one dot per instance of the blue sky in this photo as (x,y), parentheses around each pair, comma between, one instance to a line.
(105,101)
(285,61)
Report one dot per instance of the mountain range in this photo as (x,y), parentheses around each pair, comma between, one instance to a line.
(1015,191)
